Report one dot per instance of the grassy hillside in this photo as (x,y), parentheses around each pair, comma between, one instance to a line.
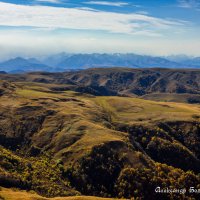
(139,111)
(60,142)
(122,81)
(9,194)
(173,97)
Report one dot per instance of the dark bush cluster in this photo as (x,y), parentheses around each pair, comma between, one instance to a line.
(103,173)
(96,173)
(41,174)
(141,183)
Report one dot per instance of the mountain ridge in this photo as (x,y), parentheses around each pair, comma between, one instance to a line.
(19,65)
(120,81)
(65,62)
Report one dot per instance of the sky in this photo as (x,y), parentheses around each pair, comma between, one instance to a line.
(32,28)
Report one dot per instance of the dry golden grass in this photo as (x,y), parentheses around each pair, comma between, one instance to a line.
(82,116)
(120,109)
(84,123)
(9,194)
(171,97)
(85,116)
(140,111)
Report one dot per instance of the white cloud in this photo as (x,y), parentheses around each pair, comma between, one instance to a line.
(142,12)
(107,3)
(49,1)
(189,3)
(43,38)
(76,18)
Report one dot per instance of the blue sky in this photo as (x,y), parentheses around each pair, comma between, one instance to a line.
(155,27)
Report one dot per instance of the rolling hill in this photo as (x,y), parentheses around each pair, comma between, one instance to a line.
(180,83)
(60,139)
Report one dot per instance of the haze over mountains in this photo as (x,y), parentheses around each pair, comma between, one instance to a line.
(65,62)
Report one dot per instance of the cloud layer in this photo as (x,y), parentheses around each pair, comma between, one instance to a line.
(107,3)
(37,30)
(75,18)
(189,3)
(49,1)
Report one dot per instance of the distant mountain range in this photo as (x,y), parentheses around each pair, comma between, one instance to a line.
(193,61)
(19,64)
(66,62)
